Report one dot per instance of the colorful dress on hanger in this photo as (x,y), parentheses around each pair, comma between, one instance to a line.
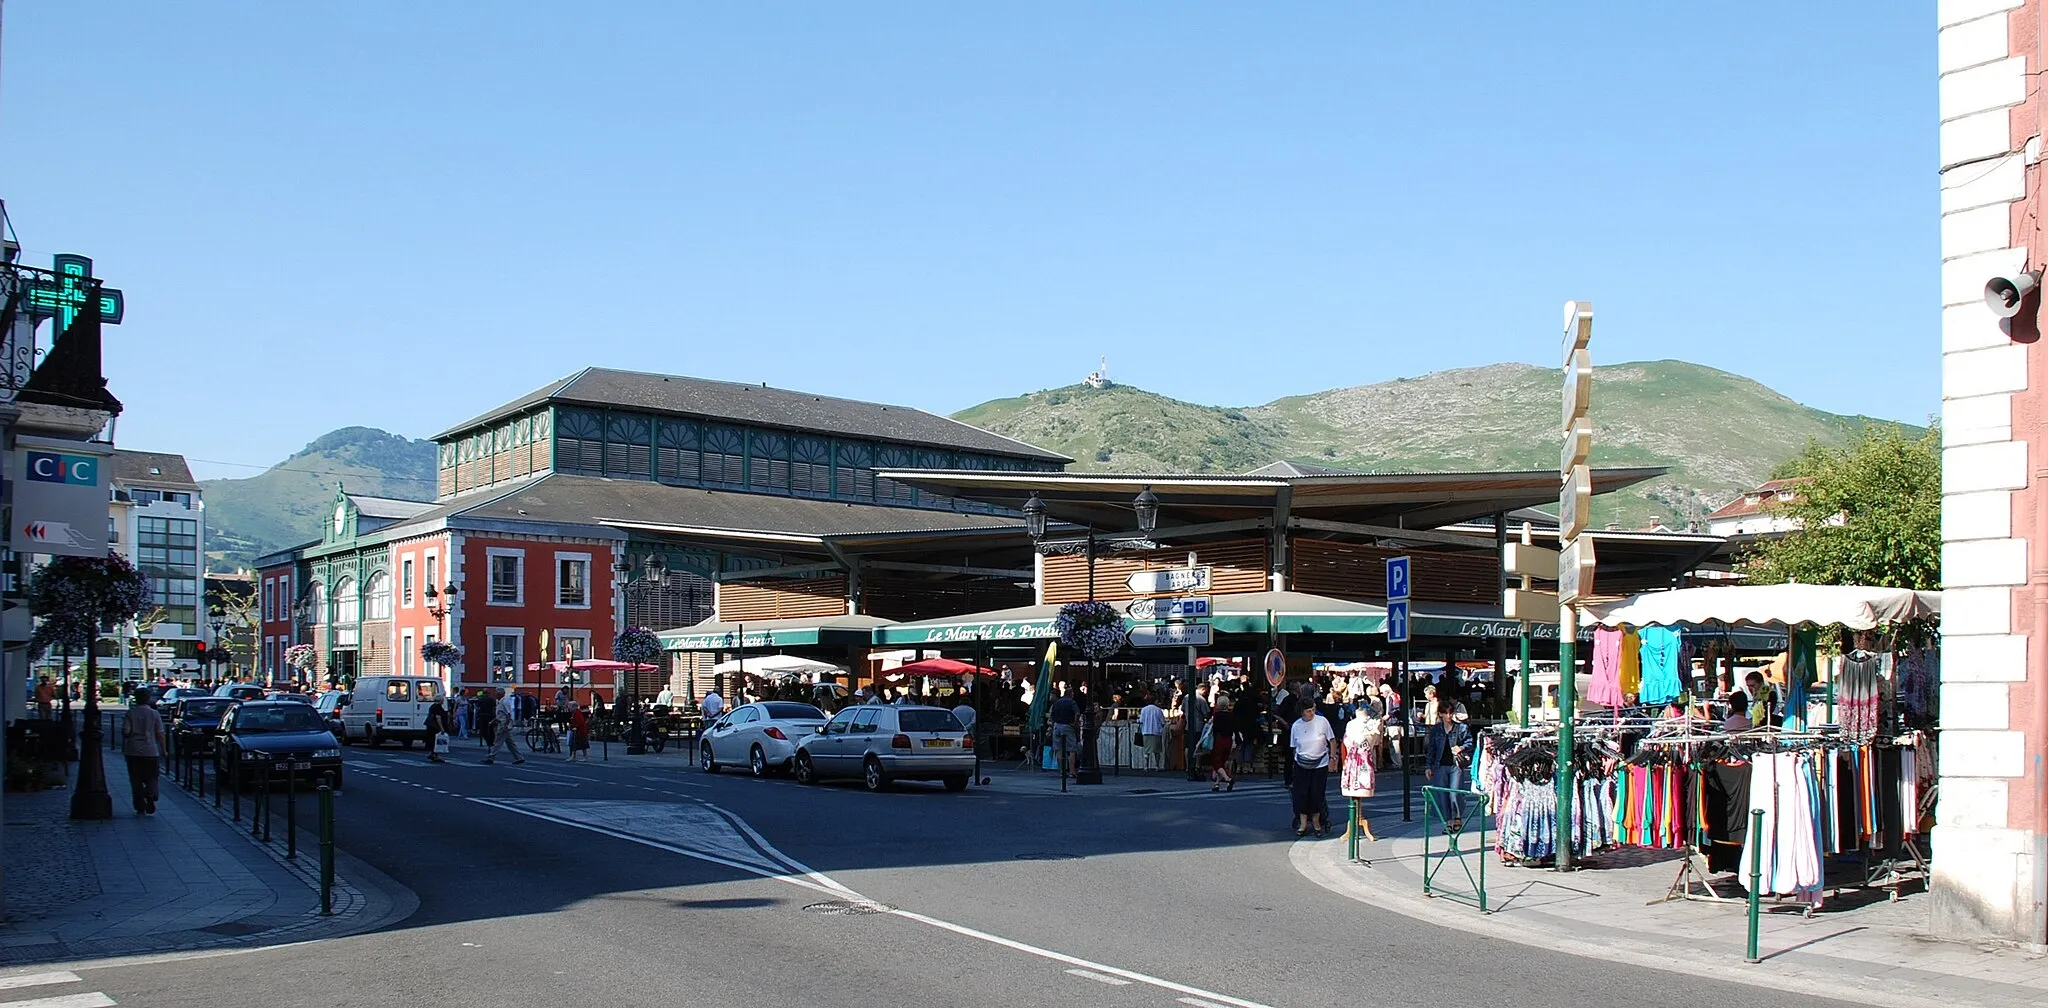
(1605,689)
(1659,651)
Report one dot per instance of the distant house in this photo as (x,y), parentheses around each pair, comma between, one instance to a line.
(1757,512)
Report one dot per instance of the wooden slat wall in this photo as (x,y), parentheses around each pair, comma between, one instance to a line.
(1350,571)
(782,599)
(1239,566)
(910,597)
(445,481)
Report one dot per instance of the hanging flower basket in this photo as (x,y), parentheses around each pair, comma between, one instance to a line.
(440,653)
(302,657)
(1093,630)
(638,645)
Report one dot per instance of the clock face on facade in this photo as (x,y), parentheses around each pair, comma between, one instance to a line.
(340,518)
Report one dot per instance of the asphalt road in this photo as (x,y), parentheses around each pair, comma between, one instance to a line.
(623,885)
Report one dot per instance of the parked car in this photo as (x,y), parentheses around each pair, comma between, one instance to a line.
(390,707)
(171,696)
(880,744)
(240,691)
(330,705)
(196,721)
(288,695)
(287,737)
(761,735)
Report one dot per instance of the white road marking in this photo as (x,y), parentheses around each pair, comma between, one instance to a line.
(1198,1002)
(771,863)
(528,780)
(1099,977)
(92,1000)
(37,979)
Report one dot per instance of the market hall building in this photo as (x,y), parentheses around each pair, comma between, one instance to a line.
(613,498)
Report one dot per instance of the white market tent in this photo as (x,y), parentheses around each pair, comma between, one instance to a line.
(774,665)
(1779,605)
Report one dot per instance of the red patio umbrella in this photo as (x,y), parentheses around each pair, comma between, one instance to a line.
(937,666)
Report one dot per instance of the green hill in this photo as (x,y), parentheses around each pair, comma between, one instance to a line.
(284,505)
(1719,433)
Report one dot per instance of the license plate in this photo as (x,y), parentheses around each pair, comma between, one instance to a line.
(938,743)
(300,765)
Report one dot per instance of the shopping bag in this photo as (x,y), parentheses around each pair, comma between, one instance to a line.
(1207,743)
(1047,762)
(440,743)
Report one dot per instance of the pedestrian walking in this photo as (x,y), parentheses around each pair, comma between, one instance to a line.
(461,705)
(1362,739)
(1310,737)
(1448,751)
(46,697)
(1152,735)
(440,725)
(507,715)
(1065,715)
(142,742)
(1219,731)
(483,713)
(579,734)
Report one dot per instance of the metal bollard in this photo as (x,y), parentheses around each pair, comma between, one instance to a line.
(1351,829)
(236,776)
(199,765)
(326,850)
(291,813)
(1756,878)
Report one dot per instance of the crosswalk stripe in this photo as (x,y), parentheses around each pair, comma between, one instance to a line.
(37,979)
(92,1000)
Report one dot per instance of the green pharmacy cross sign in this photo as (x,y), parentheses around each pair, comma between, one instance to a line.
(69,294)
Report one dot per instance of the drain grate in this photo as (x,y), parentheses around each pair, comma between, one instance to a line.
(1048,856)
(849,908)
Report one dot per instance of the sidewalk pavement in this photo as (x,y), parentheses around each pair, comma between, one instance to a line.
(1859,947)
(184,879)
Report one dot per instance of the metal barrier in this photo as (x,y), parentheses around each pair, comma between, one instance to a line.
(193,764)
(1465,806)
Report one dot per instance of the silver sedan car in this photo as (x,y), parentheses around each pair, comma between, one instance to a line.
(762,736)
(878,744)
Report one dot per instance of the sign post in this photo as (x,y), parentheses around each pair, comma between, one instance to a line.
(1399,580)
(1574,515)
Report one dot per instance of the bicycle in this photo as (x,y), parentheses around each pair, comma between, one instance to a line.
(541,736)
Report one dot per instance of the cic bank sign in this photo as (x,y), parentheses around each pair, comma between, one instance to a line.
(60,499)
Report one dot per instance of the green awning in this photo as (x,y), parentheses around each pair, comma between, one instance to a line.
(826,631)
(1025,623)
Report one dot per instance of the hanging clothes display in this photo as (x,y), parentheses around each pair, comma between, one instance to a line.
(1659,655)
(1605,689)
(1631,671)
(1650,806)
(1919,681)
(1856,705)
(1799,676)
(1723,812)
(1520,779)
(1785,788)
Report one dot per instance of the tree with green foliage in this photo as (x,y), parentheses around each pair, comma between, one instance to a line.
(1869,513)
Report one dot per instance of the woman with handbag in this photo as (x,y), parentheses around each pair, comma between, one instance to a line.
(1449,749)
(440,725)
(1218,735)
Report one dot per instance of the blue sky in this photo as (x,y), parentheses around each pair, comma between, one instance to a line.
(401,214)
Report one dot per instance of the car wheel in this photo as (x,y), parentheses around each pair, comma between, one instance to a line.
(372,737)
(341,733)
(805,773)
(871,776)
(956,783)
(757,761)
(704,758)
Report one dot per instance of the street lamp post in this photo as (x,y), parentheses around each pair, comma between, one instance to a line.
(439,604)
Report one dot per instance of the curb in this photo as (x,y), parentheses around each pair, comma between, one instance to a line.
(1323,862)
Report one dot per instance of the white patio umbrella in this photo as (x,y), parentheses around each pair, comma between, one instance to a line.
(1854,606)
(774,665)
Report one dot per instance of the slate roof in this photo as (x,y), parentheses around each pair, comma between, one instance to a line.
(388,507)
(592,500)
(134,467)
(1284,468)
(759,404)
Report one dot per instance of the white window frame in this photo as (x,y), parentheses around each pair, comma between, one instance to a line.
(491,555)
(370,612)
(569,635)
(519,662)
(408,582)
(589,586)
(430,569)
(269,599)
(406,652)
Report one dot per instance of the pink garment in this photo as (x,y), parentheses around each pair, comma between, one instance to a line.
(1605,688)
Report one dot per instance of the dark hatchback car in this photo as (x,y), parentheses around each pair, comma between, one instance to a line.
(195,721)
(288,738)
(240,691)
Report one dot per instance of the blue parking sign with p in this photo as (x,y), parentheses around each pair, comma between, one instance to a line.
(1397,577)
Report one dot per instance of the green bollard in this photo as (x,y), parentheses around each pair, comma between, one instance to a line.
(1756,878)
(326,850)
(1351,829)
(291,813)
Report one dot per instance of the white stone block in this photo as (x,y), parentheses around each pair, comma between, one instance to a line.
(1984,135)
(1975,706)
(1971,326)
(1957,11)
(1973,802)
(1970,43)
(1983,515)
(1993,85)
(2000,181)
(1976,420)
(1985,371)
(1975,611)
(1991,658)
(1962,278)
(1978,562)
(1982,229)
(1968,468)
(1982,753)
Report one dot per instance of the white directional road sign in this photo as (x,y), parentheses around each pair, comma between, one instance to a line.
(1523,560)
(1397,577)
(1575,502)
(1528,605)
(1397,621)
(1575,571)
(1169,582)
(1189,608)
(1170,635)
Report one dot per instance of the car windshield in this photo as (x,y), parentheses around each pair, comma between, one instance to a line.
(789,711)
(928,721)
(284,717)
(208,709)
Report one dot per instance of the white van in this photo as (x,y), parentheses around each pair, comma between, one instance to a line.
(390,707)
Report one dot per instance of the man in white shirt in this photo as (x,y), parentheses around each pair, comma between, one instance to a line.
(712,705)
(1310,737)
(1152,735)
(508,712)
